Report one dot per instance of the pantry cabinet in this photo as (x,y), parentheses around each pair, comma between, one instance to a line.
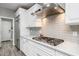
(22,13)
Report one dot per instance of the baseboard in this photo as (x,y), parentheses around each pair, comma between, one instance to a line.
(21,51)
(6,41)
(0,45)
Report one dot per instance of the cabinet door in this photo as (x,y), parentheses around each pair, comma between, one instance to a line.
(22,42)
(34,8)
(29,49)
(72,11)
(33,18)
(26,49)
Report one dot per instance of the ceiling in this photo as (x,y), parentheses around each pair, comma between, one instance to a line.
(14,6)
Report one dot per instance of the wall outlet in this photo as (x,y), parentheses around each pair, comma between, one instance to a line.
(74,33)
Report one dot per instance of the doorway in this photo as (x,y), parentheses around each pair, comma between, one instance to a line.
(7,29)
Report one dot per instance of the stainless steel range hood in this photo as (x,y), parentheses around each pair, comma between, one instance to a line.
(49,9)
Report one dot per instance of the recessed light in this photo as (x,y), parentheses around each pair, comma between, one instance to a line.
(48,5)
(55,7)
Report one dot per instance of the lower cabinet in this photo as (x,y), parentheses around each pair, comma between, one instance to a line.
(46,50)
(31,48)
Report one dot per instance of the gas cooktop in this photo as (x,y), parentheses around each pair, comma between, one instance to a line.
(49,40)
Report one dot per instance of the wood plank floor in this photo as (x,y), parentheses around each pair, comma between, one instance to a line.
(8,49)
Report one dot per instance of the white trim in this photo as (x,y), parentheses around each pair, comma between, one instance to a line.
(0,32)
(13,31)
(13,25)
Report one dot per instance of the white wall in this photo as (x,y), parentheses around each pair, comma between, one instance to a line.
(6,12)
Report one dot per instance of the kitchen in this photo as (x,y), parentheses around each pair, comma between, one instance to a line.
(45,29)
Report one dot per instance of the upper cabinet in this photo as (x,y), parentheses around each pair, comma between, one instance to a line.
(34,8)
(72,14)
(33,20)
(20,11)
(27,18)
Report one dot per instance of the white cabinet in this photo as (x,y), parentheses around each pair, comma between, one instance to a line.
(25,47)
(23,22)
(34,8)
(72,10)
(34,20)
(38,51)
(72,14)
(22,42)
(28,49)
(31,48)
(50,52)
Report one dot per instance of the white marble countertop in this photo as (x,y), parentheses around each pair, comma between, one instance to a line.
(67,47)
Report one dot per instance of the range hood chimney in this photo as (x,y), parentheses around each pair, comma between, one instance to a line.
(49,9)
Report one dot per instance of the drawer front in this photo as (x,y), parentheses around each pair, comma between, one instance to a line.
(41,52)
(60,54)
(47,50)
(37,52)
(32,50)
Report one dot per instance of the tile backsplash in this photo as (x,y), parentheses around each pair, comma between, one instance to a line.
(34,31)
(54,26)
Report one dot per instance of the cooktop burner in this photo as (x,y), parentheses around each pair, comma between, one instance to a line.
(49,40)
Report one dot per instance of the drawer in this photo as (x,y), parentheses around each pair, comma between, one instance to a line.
(41,53)
(32,50)
(60,54)
(50,52)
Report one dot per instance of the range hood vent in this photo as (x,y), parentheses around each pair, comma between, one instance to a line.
(50,9)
